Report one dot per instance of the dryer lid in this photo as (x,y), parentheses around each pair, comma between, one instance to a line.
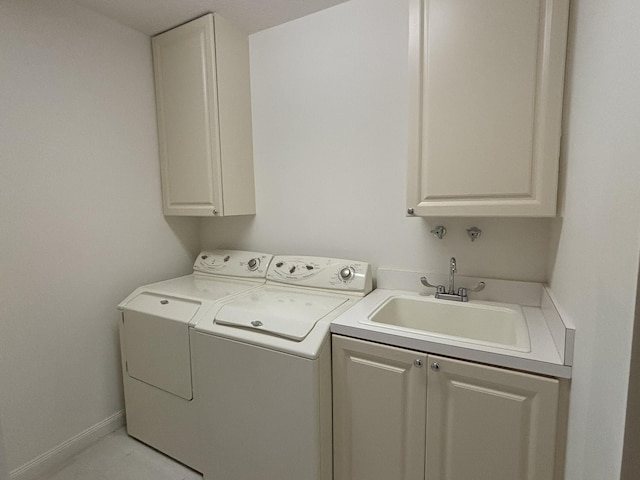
(285,313)
(164,306)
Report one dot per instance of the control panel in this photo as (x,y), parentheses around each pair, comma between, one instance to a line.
(320,272)
(234,263)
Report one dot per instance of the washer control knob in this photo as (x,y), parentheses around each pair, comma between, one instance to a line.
(253,264)
(346,274)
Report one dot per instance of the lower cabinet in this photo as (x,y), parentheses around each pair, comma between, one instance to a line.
(405,415)
(379,400)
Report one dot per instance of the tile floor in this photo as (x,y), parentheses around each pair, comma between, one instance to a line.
(120,457)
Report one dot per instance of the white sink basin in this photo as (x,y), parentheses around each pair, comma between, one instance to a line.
(492,324)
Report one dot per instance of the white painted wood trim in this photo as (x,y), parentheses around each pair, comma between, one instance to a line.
(45,462)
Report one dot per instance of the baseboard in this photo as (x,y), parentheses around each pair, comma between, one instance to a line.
(48,460)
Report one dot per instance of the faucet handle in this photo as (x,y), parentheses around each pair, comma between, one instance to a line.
(425,282)
(462,291)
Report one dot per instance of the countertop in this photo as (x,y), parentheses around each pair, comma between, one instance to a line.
(551,340)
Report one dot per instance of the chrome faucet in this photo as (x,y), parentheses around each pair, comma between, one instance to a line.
(452,294)
(452,275)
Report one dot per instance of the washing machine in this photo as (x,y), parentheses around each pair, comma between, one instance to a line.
(160,396)
(262,364)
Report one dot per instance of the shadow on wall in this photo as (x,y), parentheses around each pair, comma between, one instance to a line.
(554,242)
(229,232)
(556,225)
(185,229)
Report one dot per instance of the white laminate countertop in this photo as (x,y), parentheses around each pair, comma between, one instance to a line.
(551,343)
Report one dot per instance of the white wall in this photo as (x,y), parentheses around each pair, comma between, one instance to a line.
(329,105)
(595,245)
(329,95)
(81,223)
(80,215)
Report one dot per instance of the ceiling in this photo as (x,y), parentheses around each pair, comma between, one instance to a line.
(155,16)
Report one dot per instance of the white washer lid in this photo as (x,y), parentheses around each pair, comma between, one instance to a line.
(285,313)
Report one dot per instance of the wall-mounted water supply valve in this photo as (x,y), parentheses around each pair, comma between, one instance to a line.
(474,233)
(439,232)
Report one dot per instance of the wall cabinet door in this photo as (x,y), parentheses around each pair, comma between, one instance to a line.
(487,81)
(379,396)
(487,423)
(204,118)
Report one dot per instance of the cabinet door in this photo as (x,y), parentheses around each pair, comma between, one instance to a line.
(379,396)
(486,106)
(486,423)
(186,98)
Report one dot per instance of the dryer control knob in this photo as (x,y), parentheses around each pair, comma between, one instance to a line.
(253,264)
(346,274)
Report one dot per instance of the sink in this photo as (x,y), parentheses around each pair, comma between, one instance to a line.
(491,324)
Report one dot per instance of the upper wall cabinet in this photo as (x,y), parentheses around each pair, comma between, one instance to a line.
(485,106)
(204,118)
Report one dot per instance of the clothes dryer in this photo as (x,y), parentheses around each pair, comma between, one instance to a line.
(262,364)
(160,397)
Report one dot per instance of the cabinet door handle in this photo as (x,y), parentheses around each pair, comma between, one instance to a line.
(417,362)
(435,366)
